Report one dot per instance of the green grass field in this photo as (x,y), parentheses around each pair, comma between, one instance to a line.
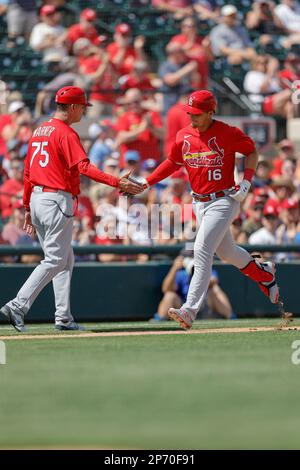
(186,391)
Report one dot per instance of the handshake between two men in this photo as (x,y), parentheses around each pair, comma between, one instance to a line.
(129,186)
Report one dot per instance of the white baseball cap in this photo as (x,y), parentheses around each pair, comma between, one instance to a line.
(111,162)
(15,106)
(228,10)
(94,130)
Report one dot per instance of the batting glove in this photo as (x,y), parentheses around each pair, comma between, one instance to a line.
(241,191)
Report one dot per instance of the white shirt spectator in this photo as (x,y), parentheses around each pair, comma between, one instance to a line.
(253,82)
(289,17)
(262,237)
(40,33)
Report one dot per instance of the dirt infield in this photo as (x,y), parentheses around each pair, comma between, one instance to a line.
(147,333)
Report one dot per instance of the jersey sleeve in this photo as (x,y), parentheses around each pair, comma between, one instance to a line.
(241,142)
(175,154)
(72,149)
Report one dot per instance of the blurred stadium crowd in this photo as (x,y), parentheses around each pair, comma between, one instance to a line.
(138,60)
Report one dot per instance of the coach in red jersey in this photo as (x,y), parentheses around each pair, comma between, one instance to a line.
(206,148)
(53,165)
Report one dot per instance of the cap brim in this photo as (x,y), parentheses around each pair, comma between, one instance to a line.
(89,104)
(191,110)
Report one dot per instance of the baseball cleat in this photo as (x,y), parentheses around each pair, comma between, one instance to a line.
(181,317)
(15,319)
(69,326)
(270,289)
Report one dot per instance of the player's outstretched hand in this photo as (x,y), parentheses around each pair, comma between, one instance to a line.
(241,191)
(129,185)
(28,227)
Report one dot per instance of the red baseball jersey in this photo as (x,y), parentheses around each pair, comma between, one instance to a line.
(209,157)
(53,154)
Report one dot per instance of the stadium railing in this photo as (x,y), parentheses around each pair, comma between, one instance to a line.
(170,250)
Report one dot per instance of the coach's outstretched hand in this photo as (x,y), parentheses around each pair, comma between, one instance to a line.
(129,187)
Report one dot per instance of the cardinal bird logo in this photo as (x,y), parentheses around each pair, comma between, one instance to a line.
(213,145)
(210,156)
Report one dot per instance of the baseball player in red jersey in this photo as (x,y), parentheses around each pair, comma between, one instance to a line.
(206,148)
(53,165)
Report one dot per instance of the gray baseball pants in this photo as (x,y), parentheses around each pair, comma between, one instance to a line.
(54,231)
(214,219)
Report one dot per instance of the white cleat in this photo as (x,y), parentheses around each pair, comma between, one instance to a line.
(270,289)
(181,317)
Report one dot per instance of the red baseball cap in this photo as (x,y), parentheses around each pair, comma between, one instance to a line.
(47,10)
(71,95)
(88,14)
(270,209)
(123,28)
(100,40)
(201,101)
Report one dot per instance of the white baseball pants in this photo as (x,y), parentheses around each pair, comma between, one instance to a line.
(54,231)
(214,219)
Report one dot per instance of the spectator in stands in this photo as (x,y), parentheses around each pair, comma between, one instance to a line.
(196,48)
(21,19)
(267,234)
(48,36)
(13,229)
(283,189)
(262,85)
(179,8)
(133,164)
(175,287)
(83,50)
(82,235)
(231,40)
(177,190)
(176,119)
(286,150)
(206,10)
(138,78)
(102,134)
(253,221)
(102,79)
(98,191)
(177,74)
(11,190)
(288,170)
(289,215)
(262,175)
(263,20)
(237,232)
(84,29)
(122,52)
(68,76)
(20,123)
(139,129)
(291,71)
(288,13)
(84,209)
